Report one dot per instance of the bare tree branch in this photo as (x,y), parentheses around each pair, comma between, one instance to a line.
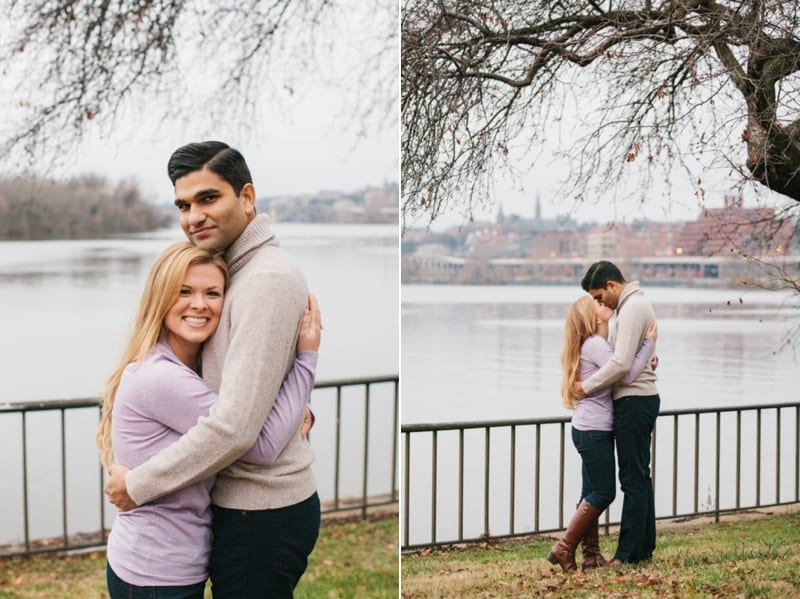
(480,75)
(73,65)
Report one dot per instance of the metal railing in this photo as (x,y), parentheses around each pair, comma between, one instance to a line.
(487,465)
(380,395)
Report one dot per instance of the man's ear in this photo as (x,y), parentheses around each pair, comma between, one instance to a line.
(248,197)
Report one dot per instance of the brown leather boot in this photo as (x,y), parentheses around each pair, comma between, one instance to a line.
(563,552)
(590,544)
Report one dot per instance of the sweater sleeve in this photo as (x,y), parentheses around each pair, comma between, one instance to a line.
(631,325)
(186,398)
(264,327)
(287,414)
(639,361)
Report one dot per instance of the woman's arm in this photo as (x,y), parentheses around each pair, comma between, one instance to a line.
(284,419)
(599,351)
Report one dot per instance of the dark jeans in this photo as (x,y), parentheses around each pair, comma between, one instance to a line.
(634,418)
(596,449)
(262,554)
(119,589)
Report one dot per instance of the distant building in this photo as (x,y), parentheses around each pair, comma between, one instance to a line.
(754,231)
(369,205)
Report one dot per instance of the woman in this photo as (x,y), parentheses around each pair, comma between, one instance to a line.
(155,396)
(585,350)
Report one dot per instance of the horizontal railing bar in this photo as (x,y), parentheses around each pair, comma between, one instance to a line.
(93,402)
(366,380)
(444,426)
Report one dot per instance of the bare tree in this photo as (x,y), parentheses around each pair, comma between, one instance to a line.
(71,64)
(656,85)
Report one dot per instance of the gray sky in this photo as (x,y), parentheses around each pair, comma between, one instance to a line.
(300,142)
(676,200)
(304,152)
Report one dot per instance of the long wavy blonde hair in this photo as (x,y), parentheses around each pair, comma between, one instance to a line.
(579,325)
(160,293)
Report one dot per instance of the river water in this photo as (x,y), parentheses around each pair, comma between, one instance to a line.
(483,353)
(66,309)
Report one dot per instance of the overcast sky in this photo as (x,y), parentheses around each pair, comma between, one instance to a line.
(675,200)
(303,140)
(302,152)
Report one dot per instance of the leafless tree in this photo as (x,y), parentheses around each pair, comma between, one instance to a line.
(657,84)
(69,65)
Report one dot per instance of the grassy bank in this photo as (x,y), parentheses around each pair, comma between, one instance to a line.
(749,555)
(351,560)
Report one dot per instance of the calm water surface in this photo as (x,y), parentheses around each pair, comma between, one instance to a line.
(483,353)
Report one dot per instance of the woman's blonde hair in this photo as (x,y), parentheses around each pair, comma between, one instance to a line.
(160,293)
(579,325)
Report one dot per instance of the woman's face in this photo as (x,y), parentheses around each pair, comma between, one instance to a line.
(195,314)
(603,312)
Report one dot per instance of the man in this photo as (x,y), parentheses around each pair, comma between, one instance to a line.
(266,518)
(635,407)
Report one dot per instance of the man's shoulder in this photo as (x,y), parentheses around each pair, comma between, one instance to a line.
(270,272)
(269,258)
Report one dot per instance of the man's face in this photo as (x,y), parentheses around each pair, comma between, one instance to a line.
(608,296)
(211,214)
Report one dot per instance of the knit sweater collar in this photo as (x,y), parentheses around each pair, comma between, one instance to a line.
(256,234)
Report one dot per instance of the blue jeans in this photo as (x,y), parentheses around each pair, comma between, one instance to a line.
(262,553)
(596,449)
(119,589)
(634,418)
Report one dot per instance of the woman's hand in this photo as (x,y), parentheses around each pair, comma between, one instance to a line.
(310,327)
(308,421)
(652,331)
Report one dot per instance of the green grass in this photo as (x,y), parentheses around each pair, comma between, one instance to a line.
(351,560)
(739,557)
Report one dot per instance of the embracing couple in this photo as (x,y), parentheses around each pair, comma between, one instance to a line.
(610,383)
(205,436)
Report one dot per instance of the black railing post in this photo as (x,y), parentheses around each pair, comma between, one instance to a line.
(460,484)
(797,453)
(25,483)
(396,440)
(778,455)
(366,453)
(337,447)
(434,476)
(758,457)
(696,462)
(486,469)
(537,477)
(675,465)
(407,488)
(512,478)
(561,469)
(63,479)
(717,466)
(653,457)
(738,458)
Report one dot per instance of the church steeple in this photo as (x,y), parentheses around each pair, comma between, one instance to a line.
(538,212)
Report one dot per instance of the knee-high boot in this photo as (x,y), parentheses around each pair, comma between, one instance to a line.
(590,545)
(563,552)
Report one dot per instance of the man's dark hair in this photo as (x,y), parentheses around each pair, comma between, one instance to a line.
(599,274)
(216,156)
